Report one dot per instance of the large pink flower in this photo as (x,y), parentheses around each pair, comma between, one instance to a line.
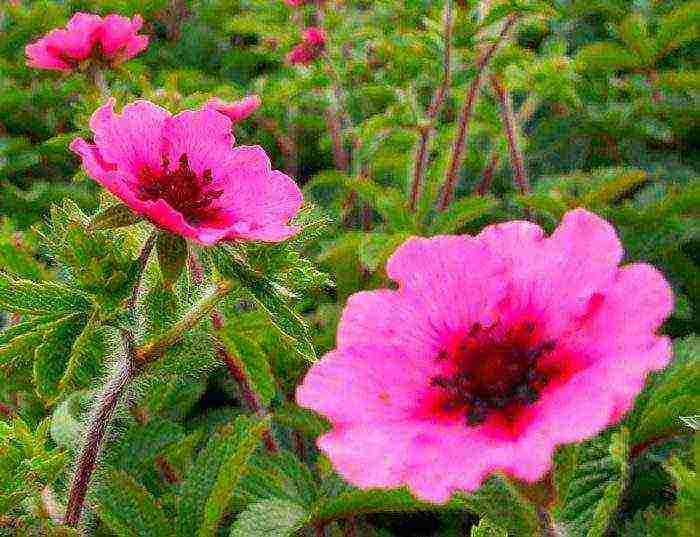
(312,45)
(493,350)
(184,175)
(111,40)
(237,110)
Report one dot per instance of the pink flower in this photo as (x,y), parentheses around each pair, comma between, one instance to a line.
(297,3)
(493,350)
(183,174)
(312,45)
(237,110)
(111,40)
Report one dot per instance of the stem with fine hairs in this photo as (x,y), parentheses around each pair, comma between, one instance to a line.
(143,261)
(510,128)
(427,131)
(450,179)
(97,424)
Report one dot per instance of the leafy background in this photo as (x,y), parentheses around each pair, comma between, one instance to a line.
(604,98)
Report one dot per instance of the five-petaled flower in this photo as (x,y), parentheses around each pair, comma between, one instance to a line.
(110,40)
(493,350)
(312,45)
(183,174)
(237,110)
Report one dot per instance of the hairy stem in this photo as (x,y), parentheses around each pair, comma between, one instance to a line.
(154,349)
(510,128)
(467,110)
(426,132)
(143,261)
(97,424)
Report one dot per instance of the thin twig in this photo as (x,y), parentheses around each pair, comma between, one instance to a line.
(487,177)
(465,117)
(427,131)
(508,119)
(97,424)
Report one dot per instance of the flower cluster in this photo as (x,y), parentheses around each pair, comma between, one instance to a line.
(312,45)
(183,174)
(106,41)
(494,350)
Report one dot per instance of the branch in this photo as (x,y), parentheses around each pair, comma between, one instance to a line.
(438,100)
(508,120)
(467,111)
(97,424)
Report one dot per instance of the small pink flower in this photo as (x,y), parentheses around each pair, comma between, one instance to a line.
(312,45)
(111,40)
(237,110)
(183,174)
(493,350)
(297,3)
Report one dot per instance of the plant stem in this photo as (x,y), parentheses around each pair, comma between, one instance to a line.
(487,177)
(320,530)
(426,132)
(143,261)
(154,349)
(467,110)
(98,77)
(97,425)
(508,120)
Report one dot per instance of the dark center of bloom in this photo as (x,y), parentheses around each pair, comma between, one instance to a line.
(494,370)
(181,188)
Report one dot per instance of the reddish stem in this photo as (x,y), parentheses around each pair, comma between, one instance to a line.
(438,100)
(465,117)
(6,410)
(487,178)
(143,261)
(508,120)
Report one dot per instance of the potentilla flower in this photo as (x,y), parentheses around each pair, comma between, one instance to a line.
(237,110)
(312,45)
(110,40)
(183,174)
(493,350)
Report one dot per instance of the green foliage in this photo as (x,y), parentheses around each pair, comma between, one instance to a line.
(269,518)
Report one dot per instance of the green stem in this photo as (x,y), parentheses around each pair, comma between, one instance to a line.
(154,349)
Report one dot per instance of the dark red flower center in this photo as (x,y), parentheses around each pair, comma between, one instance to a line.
(494,370)
(181,188)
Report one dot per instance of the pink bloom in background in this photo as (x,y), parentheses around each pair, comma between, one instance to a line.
(312,45)
(493,350)
(183,174)
(110,40)
(237,110)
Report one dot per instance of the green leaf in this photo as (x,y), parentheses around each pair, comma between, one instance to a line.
(268,295)
(129,509)
(597,485)
(86,356)
(172,256)
(462,212)
(115,216)
(669,395)
(230,472)
(606,56)
(19,341)
(52,356)
(487,529)
(203,478)
(66,430)
(302,420)
(45,298)
(376,248)
(251,359)
(269,518)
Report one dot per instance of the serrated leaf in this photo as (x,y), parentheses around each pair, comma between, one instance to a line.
(230,473)
(204,475)
(115,216)
(269,518)
(597,485)
(86,356)
(172,256)
(462,212)
(669,394)
(376,248)
(45,298)
(302,420)
(20,340)
(487,529)
(52,355)
(128,508)
(251,359)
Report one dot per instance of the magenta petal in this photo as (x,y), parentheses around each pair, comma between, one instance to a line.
(133,139)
